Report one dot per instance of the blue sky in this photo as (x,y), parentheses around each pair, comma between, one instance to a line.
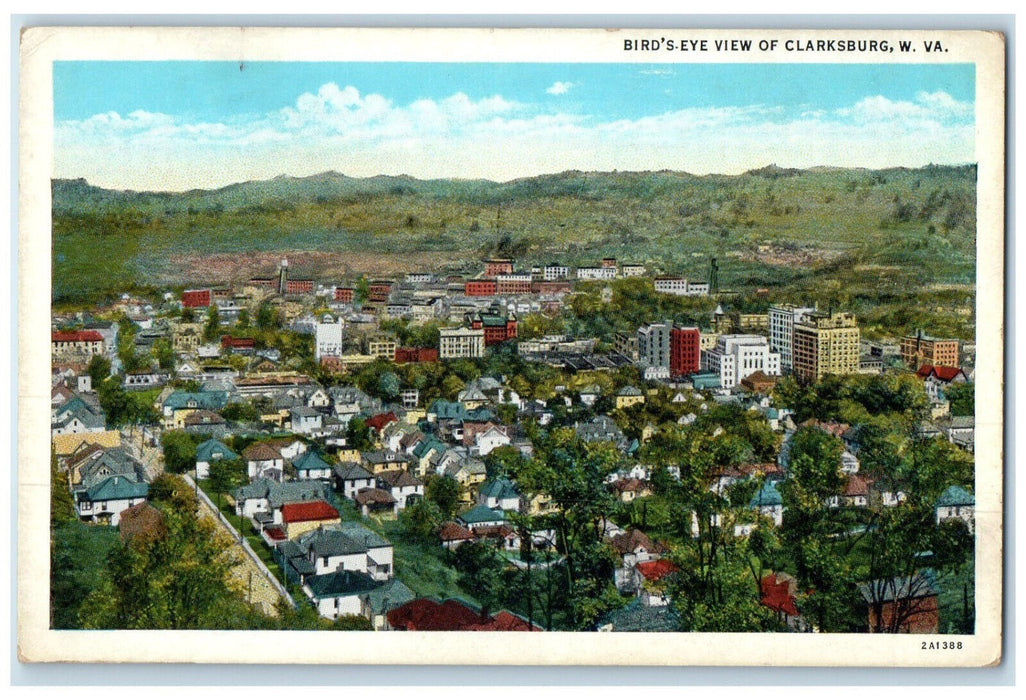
(176,125)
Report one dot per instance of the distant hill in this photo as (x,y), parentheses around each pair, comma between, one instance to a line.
(107,240)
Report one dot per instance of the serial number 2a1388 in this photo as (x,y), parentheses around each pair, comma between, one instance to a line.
(942,645)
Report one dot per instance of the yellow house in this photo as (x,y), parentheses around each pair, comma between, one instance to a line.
(629,396)
(298,518)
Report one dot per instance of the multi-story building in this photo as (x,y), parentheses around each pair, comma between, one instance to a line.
(626,345)
(654,345)
(681,287)
(75,345)
(685,355)
(343,295)
(513,283)
(825,343)
(555,271)
(498,326)
(297,287)
(632,270)
(737,356)
(378,291)
(196,298)
(480,288)
(782,318)
(382,346)
(461,342)
(596,273)
(918,350)
(498,266)
(328,338)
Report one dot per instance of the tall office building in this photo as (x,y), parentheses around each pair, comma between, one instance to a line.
(825,343)
(781,331)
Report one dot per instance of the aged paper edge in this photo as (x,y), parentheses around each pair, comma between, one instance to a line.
(37,643)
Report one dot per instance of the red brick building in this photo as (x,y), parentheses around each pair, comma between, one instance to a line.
(480,288)
(498,266)
(550,287)
(344,295)
(685,357)
(901,605)
(513,284)
(196,298)
(404,355)
(299,286)
(497,327)
(378,291)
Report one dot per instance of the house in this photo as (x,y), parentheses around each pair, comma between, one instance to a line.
(208,452)
(376,501)
(938,379)
(350,478)
(142,379)
(499,494)
(778,592)
(383,460)
(905,604)
(377,603)
(481,516)
(345,546)
(103,499)
(339,592)
(651,581)
(180,404)
(306,420)
(638,617)
(629,489)
(602,429)
(629,396)
(769,502)
(203,422)
(493,436)
(65,445)
(310,466)
(453,615)
(405,488)
(635,546)
(264,462)
(452,535)
(263,499)
(956,503)
(77,415)
(378,422)
(90,463)
(298,518)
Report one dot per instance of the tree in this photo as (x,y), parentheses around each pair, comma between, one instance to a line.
(962,398)
(267,317)
(212,327)
(179,451)
(62,507)
(164,354)
(358,435)
(179,580)
(174,492)
(98,369)
(225,475)
(388,385)
(422,520)
(444,492)
(242,321)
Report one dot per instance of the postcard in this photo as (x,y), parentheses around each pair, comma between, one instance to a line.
(496,346)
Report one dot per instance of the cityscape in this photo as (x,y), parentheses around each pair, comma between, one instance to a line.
(619,398)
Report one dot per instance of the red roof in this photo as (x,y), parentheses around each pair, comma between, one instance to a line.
(777,596)
(379,421)
(229,342)
(454,532)
(305,512)
(945,374)
(656,569)
(275,533)
(428,615)
(858,485)
(75,337)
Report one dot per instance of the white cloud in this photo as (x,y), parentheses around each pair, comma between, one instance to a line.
(559,88)
(340,128)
